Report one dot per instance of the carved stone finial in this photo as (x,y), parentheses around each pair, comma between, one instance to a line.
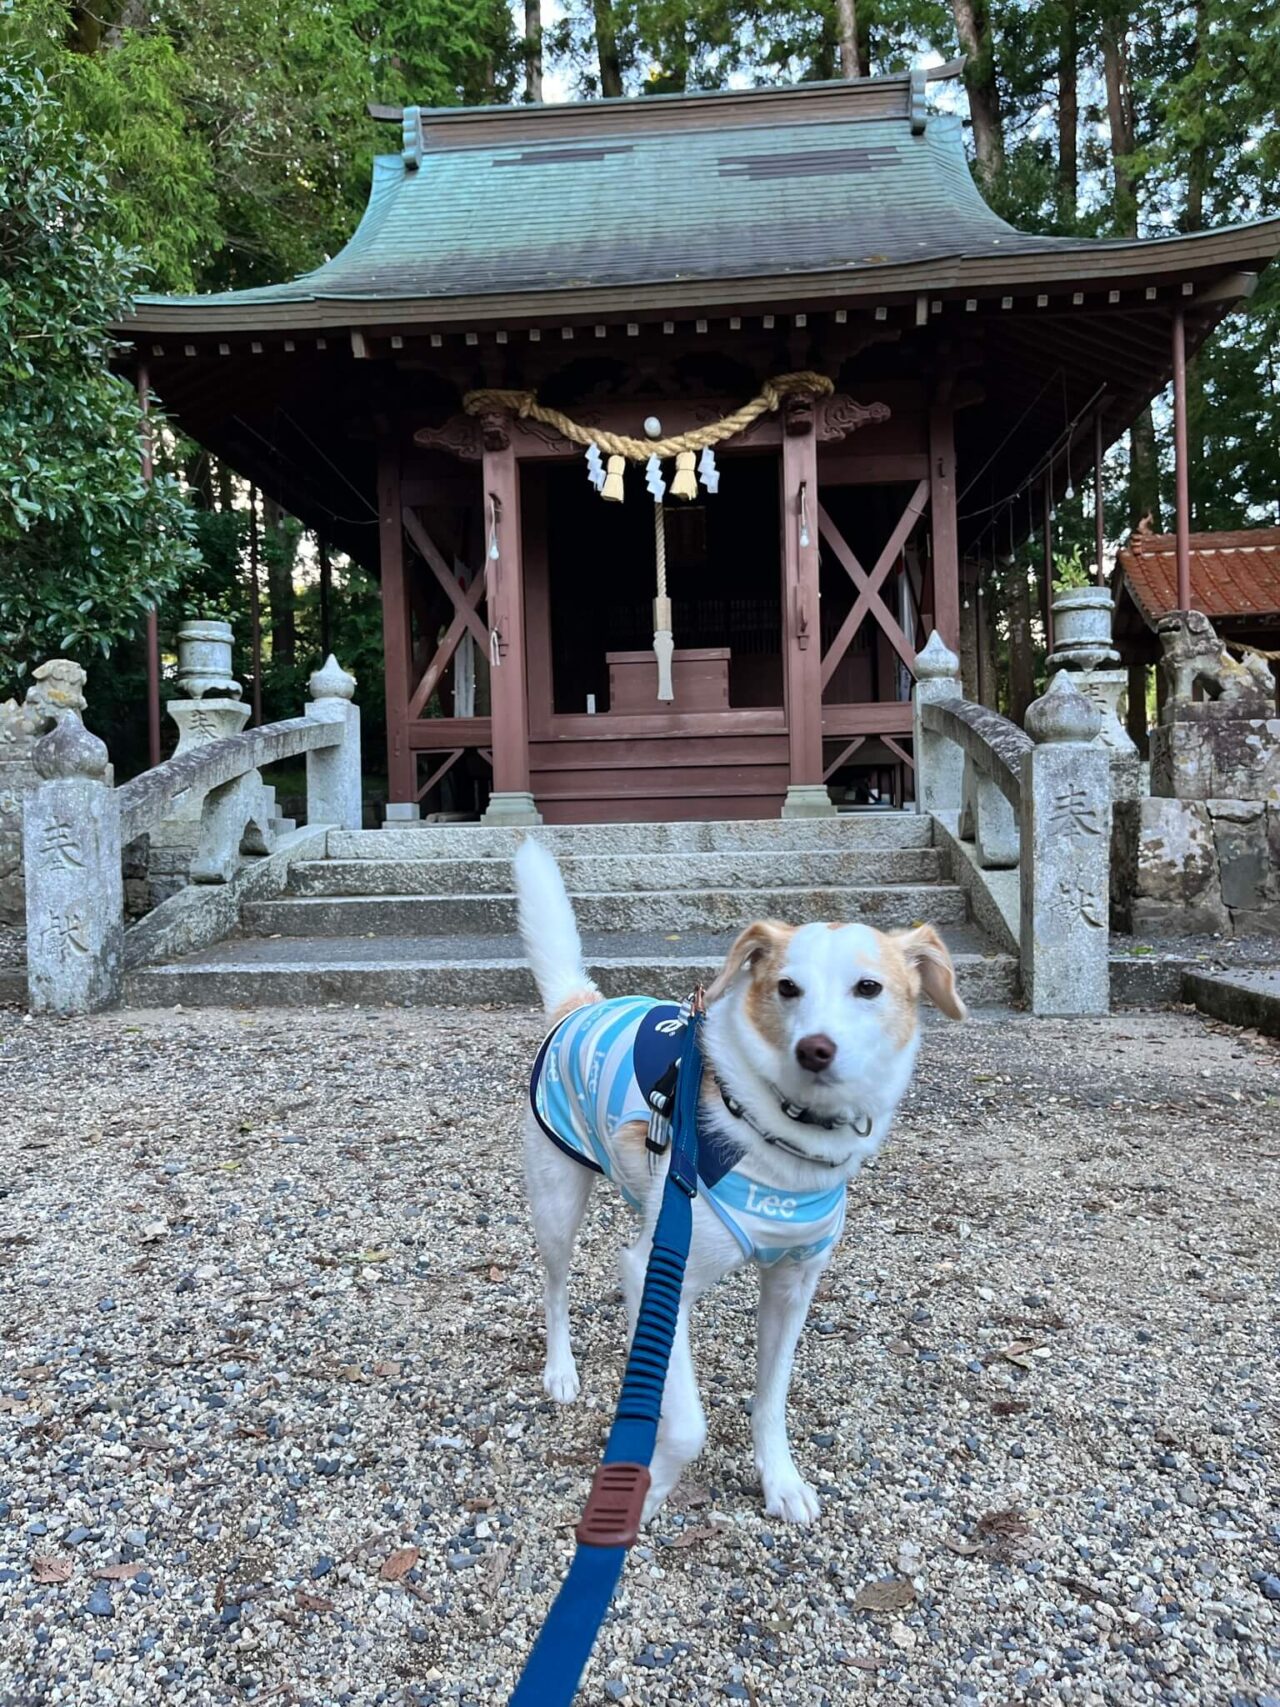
(1062,713)
(204,660)
(70,750)
(937,660)
(331,681)
(59,688)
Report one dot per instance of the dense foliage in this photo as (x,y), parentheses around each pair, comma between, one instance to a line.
(85,547)
(236,151)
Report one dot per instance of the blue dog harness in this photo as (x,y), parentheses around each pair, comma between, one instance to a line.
(594,1075)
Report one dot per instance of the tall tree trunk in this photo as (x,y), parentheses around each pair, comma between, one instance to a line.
(973,26)
(278,551)
(1198,169)
(1068,114)
(533,50)
(847,24)
(607,47)
(1144,460)
(226,488)
(1115,65)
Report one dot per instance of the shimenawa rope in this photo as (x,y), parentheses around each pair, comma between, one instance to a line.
(525,406)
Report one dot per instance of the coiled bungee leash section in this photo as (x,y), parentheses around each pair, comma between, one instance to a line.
(611,1519)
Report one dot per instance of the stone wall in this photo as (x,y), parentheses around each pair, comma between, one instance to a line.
(1188,867)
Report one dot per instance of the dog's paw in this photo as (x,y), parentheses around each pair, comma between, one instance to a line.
(791,1498)
(562,1383)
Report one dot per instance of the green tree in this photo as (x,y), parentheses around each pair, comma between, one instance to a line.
(85,546)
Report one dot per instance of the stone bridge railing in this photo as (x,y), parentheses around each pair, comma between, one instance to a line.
(1039,802)
(76,825)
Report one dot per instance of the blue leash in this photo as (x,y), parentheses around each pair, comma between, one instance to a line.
(611,1520)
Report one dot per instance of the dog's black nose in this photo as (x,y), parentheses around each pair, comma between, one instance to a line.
(816,1052)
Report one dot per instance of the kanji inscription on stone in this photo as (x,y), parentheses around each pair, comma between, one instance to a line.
(1073,811)
(61,845)
(1072,899)
(67,930)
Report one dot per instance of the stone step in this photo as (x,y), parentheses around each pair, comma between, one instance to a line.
(620,873)
(885,905)
(480,841)
(426,971)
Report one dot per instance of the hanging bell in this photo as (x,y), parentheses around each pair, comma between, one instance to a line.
(612,488)
(685,484)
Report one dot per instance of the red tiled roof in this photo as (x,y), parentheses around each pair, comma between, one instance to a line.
(1232,574)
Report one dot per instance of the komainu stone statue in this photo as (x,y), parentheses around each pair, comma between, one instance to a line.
(1197,667)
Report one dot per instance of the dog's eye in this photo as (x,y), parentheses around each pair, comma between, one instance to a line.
(788,989)
(867,987)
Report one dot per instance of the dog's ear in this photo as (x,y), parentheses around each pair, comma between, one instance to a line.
(925,950)
(757,939)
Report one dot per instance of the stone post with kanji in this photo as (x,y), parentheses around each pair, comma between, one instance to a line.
(1064,938)
(939,762)
(75,894)
(57,688)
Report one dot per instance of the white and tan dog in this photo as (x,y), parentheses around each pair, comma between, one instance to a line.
(810,1040)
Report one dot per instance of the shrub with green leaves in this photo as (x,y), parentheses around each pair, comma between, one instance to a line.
(86,546)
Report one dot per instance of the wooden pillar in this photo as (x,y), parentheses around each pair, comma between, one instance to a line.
(1182,517)
(1047,521)
(1136,714)
(255,610)
(402,781)
(511,801)
(1099,513)
(807,795)
(153,619)
(326,589)
(942,519)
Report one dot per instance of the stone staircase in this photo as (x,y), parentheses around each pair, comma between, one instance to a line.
(426,915)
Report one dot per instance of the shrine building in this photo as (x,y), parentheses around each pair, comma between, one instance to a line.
(667,423)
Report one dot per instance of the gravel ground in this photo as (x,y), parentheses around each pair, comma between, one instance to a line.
(271,1426)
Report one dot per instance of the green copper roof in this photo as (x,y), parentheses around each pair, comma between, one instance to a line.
(850,187)
(529,207)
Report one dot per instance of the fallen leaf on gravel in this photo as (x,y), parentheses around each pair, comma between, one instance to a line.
(862,1662)
(372,1256)
(1019,1353)
(390,1367)
(692,1537)
(399,1564)
(1009,1522)
(496,1273)
(119,1573)
(686,1498)
(1005,1533)
(47,1570)
(312,1602)
(890,1595)
(957,1544)
(900,1348)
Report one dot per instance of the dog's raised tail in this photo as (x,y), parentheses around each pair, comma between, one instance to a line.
(549,930)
